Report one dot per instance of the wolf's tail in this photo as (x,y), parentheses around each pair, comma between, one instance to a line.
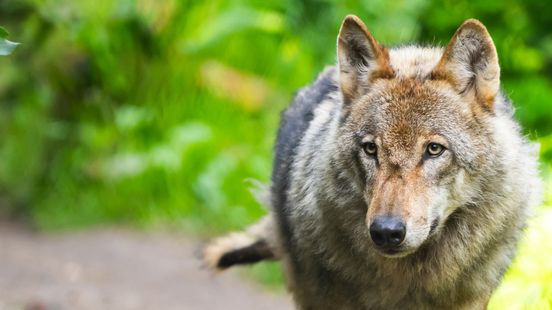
(256,243)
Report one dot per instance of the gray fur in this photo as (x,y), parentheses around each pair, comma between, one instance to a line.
(465,210)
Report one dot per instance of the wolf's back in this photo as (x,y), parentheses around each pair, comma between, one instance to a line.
(260,241)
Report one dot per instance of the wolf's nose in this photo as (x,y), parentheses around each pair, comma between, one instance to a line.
(387,231)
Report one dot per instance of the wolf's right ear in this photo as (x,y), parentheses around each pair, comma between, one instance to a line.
(360,58)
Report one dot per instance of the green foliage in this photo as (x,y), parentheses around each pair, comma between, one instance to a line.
(527,284)
(156,113)
(3,33)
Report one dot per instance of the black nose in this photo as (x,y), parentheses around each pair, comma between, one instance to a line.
(387,231)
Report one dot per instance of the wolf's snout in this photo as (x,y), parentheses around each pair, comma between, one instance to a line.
(387,231)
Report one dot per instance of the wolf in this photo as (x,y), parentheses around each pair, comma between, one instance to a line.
(401,179)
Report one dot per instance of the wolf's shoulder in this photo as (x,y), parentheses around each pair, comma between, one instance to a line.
(294,122)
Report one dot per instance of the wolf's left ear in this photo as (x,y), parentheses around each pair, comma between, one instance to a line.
(470,63)
(360,58)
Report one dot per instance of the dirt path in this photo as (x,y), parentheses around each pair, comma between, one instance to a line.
(112,269)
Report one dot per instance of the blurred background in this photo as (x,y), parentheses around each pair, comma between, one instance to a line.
(153,115)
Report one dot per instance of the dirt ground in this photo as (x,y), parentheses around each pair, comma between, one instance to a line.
(115,269)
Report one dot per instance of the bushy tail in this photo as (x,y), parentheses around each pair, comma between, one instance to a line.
(255,244)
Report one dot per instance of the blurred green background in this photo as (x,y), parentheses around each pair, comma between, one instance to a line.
(155,114)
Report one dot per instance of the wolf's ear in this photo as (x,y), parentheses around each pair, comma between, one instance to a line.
(360,58)
(470,63)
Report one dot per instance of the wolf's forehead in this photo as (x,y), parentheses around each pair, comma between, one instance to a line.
(414,61)
(405,109)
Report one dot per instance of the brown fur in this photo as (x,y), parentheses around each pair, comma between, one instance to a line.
(464,209)
(354,33)
(488,79)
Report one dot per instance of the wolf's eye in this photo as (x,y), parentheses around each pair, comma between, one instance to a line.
(435,149)
(370,148)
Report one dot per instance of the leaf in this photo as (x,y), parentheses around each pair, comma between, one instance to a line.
(3,33)
(233,21)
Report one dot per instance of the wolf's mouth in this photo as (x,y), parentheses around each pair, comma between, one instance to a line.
(393,252)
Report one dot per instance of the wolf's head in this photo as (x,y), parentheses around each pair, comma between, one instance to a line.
(417,129)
